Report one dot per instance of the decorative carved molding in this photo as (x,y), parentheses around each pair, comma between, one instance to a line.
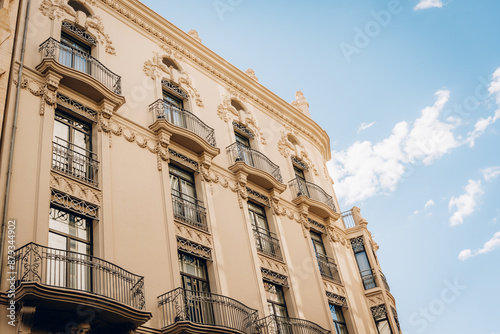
(375,300)
(273,265)
(258,197)
(336,299)
(274,277)
(194,34)
(228,113)
(75,204)
(336,234)
(46,90)
(27,315)
(60,9)
(194,248)
(75,189)
(76,107)
(334,288)
(286,148)
(156,69)
(193,235)
(251,74)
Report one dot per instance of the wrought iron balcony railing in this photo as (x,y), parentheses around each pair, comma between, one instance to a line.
(240,152)
(368,278)
(384,280)
(206,309)
(189,210)
(299,187)
(82,62)
(328,268)
(348,219)
(182,118)
(266,242)
(76,271)
(75,161)
(281,325)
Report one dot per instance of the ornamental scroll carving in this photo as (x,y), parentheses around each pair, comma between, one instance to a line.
(286,149)
(60,9)
(273,265)
(334,288)
(156,69)
(335,234)
(75,189)
(229,114)
(46,90)
(193,235)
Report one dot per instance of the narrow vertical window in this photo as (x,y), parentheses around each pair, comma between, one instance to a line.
(275,299)
(338,319)
(265,241)
(365,270)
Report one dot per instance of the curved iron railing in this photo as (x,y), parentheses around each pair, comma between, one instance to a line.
(182,118)
(189,209)
(75,161)
(206,308)
(299,187)
(368,278)
(328,268)
(81,61)
(274,324)
(76,271)
(348,219)
(240,152)
(266,242)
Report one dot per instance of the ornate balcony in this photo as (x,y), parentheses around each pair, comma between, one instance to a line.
(275,324)
(81,72)
(314,196)
(189,210)
(74,161)
(267,243)
(328,268)
(182,127)
(63,279)
(185,311)
(259,168)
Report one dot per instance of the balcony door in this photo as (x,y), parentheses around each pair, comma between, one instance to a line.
(244,151)
(364,266)
(301,181)
(174,109)
(75,53)
(72,151)
(67,263)
(184,200)
(194,279)
(261,228)
(277,308)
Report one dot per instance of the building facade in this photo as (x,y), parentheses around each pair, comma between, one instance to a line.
(150,186)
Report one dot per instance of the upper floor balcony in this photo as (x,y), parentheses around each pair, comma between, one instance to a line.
(267,243)
(314,196)
(75,161)
(61,279)
(259,168)
(368,278)
(186,311)
(80,71)
(384,281)
(182,127)
(189,210)
(328,268)
(274,324)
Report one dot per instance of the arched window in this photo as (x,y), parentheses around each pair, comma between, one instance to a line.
(170,63)
(77,6)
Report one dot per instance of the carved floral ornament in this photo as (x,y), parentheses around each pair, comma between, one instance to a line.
(228,114)
(46,90)
(286,148)
(160,33)
(156,69)
(61,10)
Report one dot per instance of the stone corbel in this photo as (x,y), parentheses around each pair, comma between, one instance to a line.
(302,219)
(106,109)
(27,315)
(240,187)
(205,168)
(274,201)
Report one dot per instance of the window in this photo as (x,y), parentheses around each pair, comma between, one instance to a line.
(75,53)
(327,266)
(381,320)
(338,319)
(364,267)
(301,181)
(72,148)
(186,207)
(265,241)
(71,236)
(173,108)
(244,150)
(275,299)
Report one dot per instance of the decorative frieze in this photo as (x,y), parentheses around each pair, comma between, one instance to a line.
(75,189)
(274,277)
(336,299)
(76,107)
(191,234)
(272,265)
(334,288)
(193,248)
(74,204)
(183,160)
(258,197)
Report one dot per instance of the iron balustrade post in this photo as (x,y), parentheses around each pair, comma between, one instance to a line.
(75,161)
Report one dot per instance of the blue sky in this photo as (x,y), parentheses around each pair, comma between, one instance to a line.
(410,101)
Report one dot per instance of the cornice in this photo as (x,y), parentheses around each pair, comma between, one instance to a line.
(157,26)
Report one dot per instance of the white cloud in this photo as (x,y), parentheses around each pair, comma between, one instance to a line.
(491,173)
(416,212)
(363,126)
(425,4)
(465,204)
(428,204)
(366,169)
(488,246)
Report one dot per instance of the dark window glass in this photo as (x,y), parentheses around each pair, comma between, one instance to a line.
(338,319)
(74,53)
(275,299)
